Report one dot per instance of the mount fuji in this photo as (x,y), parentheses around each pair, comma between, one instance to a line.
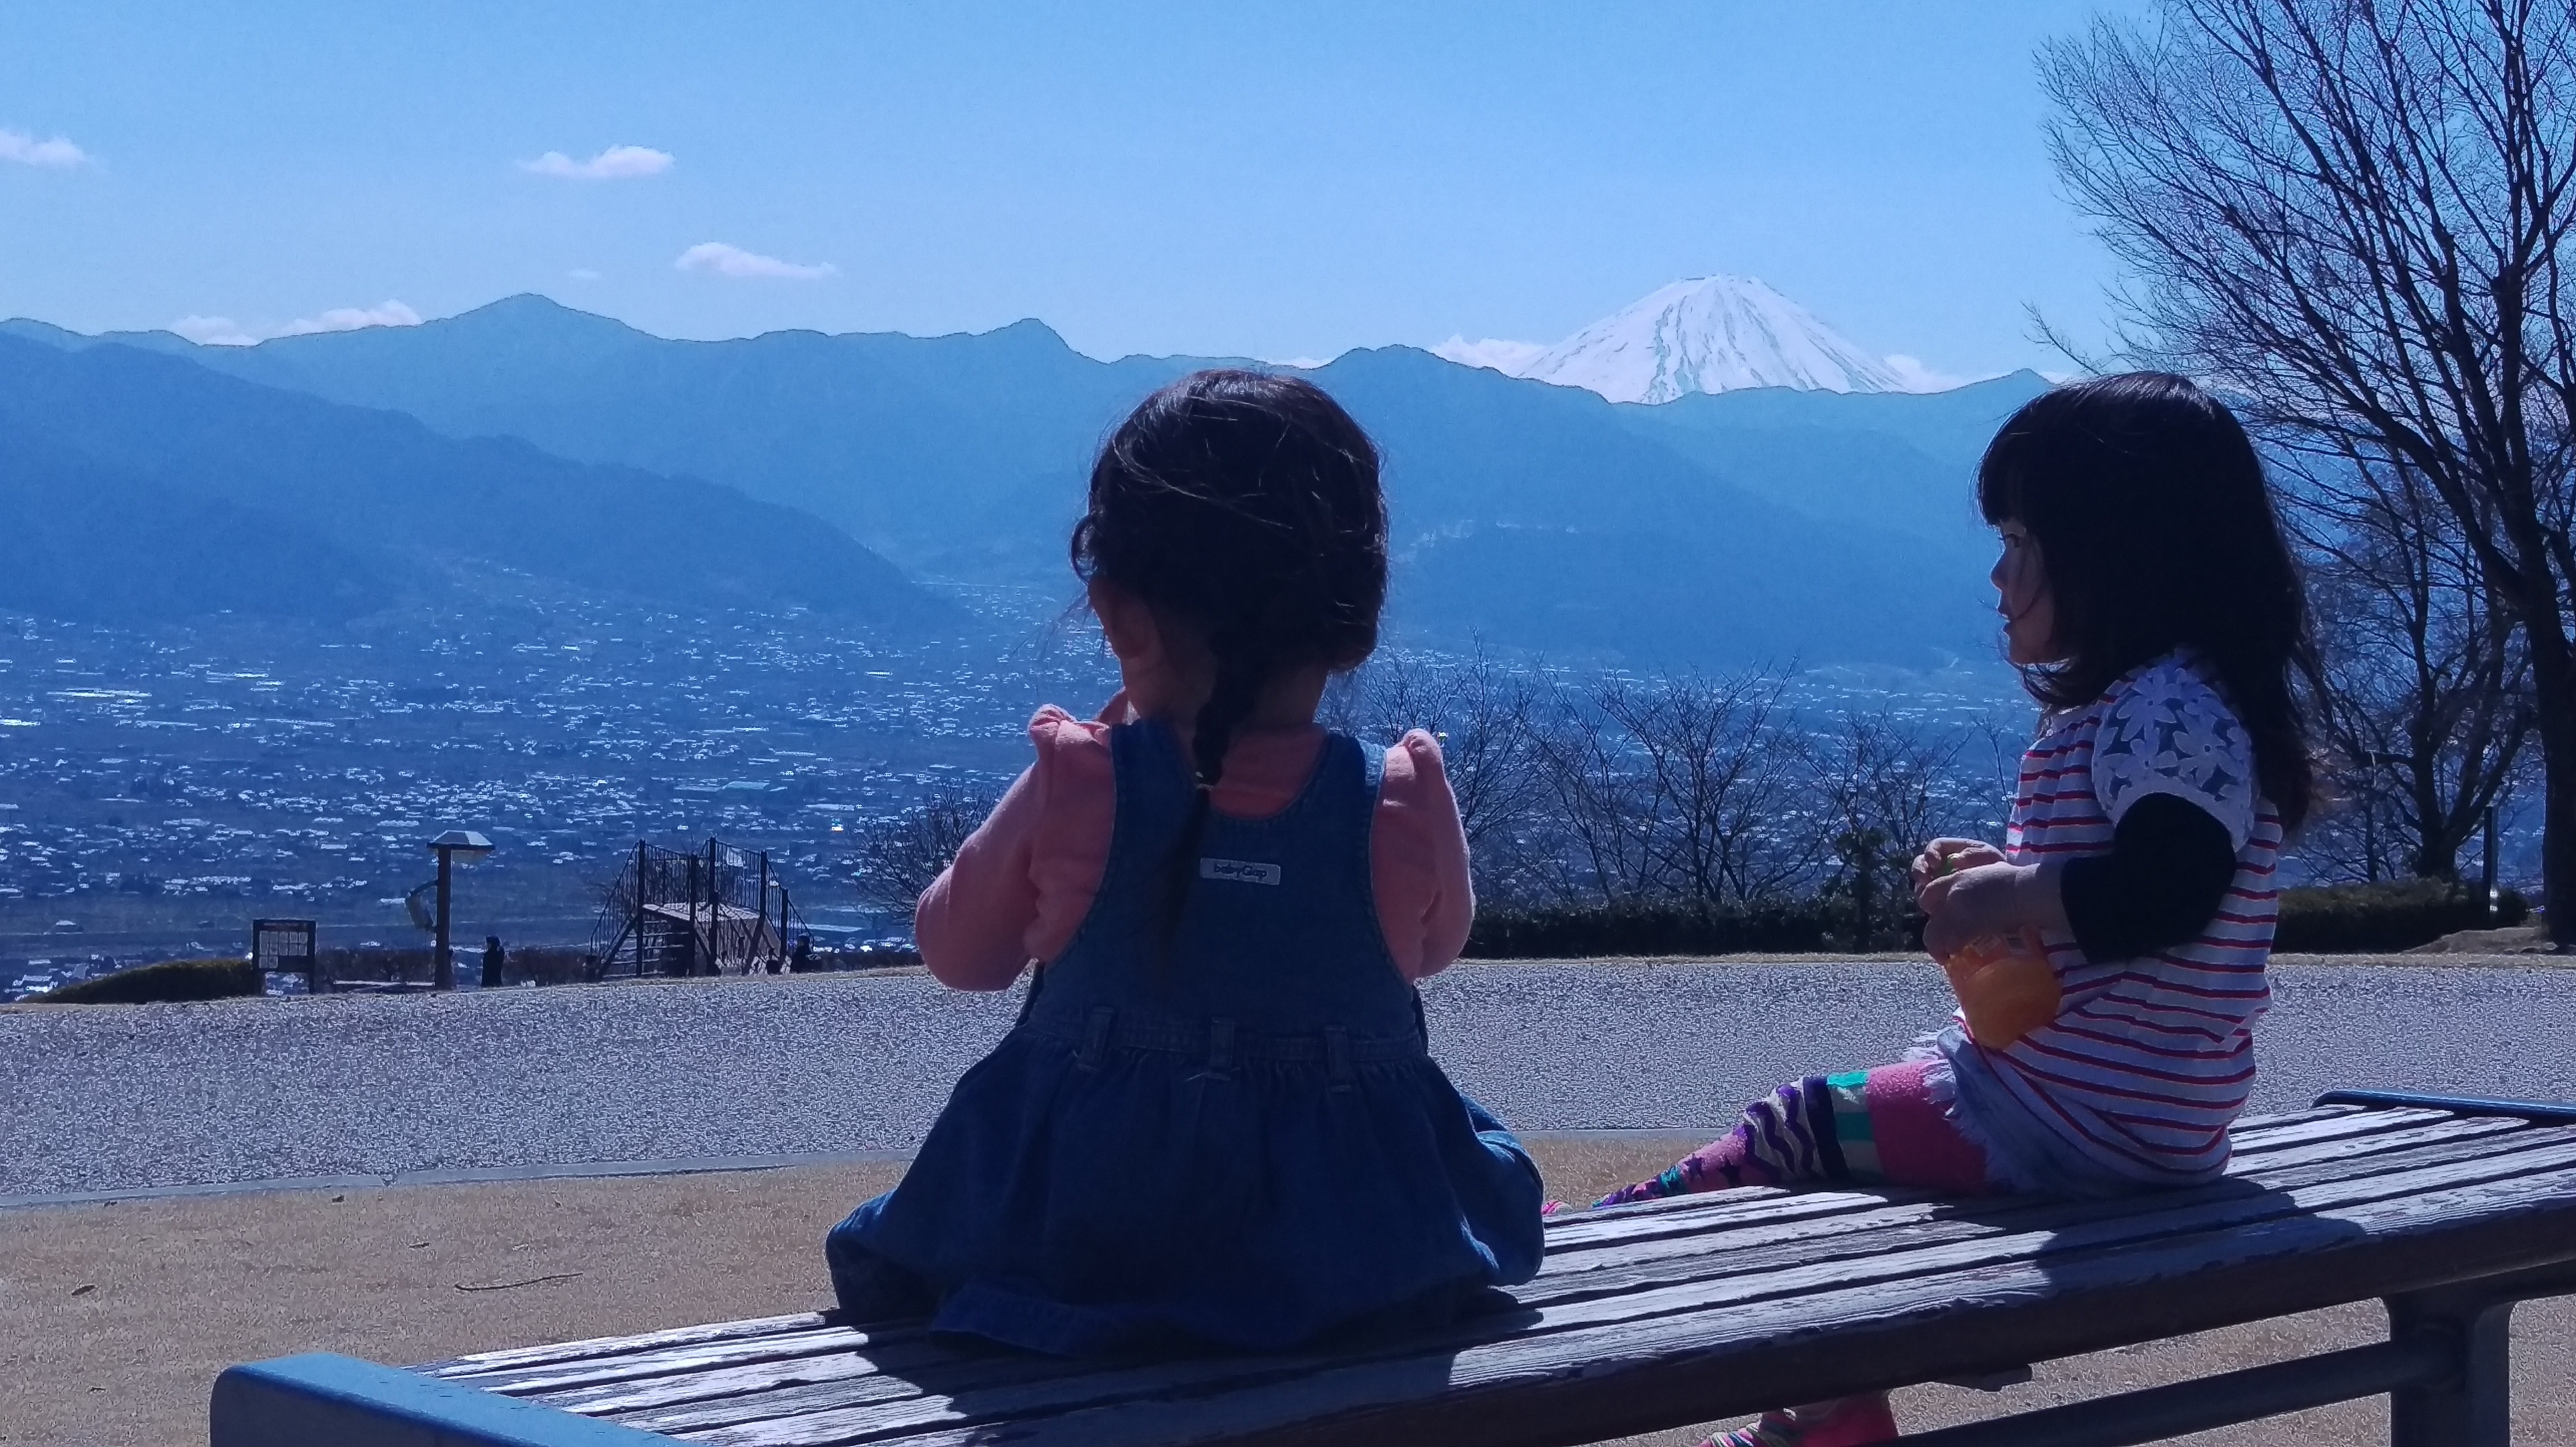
(1707,334)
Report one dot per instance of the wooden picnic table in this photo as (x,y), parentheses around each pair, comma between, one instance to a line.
(1653,1316)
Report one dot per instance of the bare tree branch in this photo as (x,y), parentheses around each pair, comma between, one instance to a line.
(2349,214)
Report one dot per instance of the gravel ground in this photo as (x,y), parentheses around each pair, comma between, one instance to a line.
(109,1098)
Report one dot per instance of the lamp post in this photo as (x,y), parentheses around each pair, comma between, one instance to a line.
(447,847)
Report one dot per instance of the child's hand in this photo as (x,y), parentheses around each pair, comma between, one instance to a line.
(1949,856)
(1990,899)
(1944,937)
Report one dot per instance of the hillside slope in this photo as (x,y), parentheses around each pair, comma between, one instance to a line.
(117,453)
(1542,517)
(949,454)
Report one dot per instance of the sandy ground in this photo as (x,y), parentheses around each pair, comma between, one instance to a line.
(114,1319)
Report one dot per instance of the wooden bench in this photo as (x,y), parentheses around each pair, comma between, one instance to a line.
(1655,1316)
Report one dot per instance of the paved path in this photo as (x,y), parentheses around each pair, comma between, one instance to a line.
(115,1099)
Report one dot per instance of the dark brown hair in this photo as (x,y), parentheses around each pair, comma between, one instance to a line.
(2157,532)
(1244,505)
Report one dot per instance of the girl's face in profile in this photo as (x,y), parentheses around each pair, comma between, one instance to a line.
(2022,597)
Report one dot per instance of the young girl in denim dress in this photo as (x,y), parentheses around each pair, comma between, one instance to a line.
(1217,1120)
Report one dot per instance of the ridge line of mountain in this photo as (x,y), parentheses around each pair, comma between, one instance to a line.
(1540,518)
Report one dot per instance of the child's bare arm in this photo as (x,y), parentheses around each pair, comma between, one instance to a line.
(972,922)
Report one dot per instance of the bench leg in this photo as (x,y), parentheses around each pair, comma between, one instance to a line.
(2473,1405)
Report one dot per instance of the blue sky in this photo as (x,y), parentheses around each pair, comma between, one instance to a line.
(1253,179)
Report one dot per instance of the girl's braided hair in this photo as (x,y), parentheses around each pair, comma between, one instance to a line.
(1243,505)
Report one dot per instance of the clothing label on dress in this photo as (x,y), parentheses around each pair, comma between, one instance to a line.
(1241,871)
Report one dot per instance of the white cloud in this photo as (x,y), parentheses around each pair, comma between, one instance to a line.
(1916,377)
(1508,358)
(212,331)
(352,318)
(726,260)
(58,154)
(583,273)
(617,163)
(225,332)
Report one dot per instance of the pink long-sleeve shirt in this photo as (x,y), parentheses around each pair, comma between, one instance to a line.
(1023,881)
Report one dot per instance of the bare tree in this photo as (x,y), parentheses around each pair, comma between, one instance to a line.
(1684,790)
(1485,716)
(1605,806)
(2425,685)
(1888,785)
(2350,212)
(897,856)
(1725,777)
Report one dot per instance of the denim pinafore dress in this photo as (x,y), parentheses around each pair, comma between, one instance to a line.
(1247,1144)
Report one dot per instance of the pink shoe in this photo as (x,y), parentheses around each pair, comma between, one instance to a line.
(1552,1207)
(1844,1422)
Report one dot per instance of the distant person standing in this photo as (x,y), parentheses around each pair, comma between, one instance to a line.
(494,958)
(802,960)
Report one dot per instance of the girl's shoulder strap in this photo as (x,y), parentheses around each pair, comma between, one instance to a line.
(1370,759)
(1144,749)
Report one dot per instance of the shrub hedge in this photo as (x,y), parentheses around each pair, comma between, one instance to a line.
(2340,919)
(2383,918)
(544,964)
(170,980)
(1575,932)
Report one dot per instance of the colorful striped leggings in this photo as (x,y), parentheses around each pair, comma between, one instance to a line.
(1868,1127)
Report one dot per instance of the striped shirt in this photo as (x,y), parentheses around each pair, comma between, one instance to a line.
(2149,1060)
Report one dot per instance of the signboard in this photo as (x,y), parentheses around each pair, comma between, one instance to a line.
(284,944)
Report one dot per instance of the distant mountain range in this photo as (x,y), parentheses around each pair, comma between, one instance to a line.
(1773,523)
(1705,335)
(142,488)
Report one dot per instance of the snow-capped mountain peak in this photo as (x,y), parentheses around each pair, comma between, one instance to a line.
(1707,334)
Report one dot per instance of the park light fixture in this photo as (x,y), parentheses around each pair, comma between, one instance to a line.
(452,847)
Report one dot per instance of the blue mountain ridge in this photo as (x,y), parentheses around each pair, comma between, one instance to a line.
(1710,530)
(146,487)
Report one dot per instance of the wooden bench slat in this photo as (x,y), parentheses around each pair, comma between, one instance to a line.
(2211,1220)
(1749,1203)
(663,1361)
(515,1357)
(2398,1138)
(2273,1120)
(1860,1235)
(1643,1220)
(2352,1123)
(1614,1377)
(836,1381)
(1585,1273)
(2310,1129)
(1630,1225)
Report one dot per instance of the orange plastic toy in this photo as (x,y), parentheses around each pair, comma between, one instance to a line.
(2005,984)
